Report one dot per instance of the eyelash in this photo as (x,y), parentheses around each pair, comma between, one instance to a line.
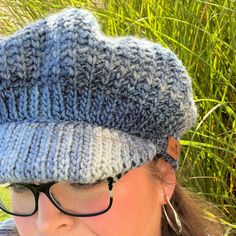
(85,186)
(14,187)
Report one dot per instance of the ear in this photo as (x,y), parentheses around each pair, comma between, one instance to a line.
(167,180)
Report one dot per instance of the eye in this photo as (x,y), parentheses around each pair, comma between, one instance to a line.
(17,188)
(82,186)
(86,186)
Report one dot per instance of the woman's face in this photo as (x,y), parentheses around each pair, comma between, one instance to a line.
(136,210)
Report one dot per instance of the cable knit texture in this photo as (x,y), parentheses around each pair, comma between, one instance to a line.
(78,105)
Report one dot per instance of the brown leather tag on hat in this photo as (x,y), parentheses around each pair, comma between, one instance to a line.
(173,148)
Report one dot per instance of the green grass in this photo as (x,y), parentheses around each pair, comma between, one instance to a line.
(3,215)
(202,34)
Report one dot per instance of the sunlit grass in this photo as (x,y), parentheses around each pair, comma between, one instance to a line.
(202,34)
(3,215)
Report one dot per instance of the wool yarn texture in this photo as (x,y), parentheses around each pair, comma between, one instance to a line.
(78,105)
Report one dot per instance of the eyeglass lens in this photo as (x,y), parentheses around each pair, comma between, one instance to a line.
(71,197)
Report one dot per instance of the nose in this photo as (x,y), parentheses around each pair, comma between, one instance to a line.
(49,219)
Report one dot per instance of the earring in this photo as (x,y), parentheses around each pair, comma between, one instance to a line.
(177,220)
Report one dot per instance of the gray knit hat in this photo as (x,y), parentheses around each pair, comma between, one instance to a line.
(80,106)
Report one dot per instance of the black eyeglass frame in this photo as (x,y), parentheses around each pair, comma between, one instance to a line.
(44,188)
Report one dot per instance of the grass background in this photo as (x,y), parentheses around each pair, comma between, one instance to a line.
(203,35)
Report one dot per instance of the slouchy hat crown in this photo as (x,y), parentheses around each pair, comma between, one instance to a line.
(78,105)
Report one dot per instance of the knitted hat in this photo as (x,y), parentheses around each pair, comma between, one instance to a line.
(77,105)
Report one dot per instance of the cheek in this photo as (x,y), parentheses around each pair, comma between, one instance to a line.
(25,225)
(132,211)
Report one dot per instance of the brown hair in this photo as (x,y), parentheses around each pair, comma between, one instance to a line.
(190,211)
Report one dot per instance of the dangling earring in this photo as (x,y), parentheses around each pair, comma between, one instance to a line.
(177,220)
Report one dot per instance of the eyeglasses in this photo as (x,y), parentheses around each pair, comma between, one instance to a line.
(81,200)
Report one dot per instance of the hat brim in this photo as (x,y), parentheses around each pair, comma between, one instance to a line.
(68,151)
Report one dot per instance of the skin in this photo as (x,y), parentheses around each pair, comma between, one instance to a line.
(136,209)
